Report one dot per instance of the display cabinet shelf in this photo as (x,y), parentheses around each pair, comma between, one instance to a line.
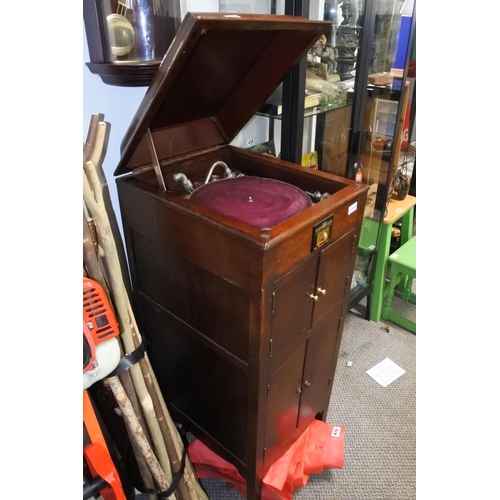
(373,91)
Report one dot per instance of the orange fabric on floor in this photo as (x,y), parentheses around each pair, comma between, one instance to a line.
(320,447)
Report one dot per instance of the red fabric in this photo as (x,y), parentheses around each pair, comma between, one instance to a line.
(313,452)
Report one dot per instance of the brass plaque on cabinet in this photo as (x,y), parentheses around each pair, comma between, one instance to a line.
(322,232)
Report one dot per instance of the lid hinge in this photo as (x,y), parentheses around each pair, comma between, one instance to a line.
(154,158)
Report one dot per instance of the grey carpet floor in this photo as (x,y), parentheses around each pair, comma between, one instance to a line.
(380,423)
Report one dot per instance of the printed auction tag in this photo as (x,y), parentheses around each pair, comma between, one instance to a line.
(352,208)
(336,432)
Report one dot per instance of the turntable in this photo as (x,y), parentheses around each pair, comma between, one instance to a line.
(258,201)
(241,263)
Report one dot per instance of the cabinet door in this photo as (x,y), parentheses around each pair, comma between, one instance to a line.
(292,306)
(283,401)
(334,275)
(319,368)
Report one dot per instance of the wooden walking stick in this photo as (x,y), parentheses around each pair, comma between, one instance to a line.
(183,490)
(95,204)
(137,434)
(89,144)
(125,321)
(93,270)
(189,488)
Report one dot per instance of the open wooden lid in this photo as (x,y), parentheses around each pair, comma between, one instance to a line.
(214,77)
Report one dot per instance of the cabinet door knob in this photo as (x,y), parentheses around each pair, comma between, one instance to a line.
(322,291)
(299,390)
(307,383)
(314,297)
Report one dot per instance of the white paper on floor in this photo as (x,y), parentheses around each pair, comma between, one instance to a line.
(385,372)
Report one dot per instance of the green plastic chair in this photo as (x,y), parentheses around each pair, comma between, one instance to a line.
(403,264)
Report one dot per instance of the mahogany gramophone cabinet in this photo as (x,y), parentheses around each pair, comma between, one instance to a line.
(241,263)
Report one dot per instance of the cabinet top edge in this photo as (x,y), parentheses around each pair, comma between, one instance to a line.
(264,239)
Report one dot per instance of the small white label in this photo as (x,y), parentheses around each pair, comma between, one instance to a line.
(399,210)
(352,208)
(336,432)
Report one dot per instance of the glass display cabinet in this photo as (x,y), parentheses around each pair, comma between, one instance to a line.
(357,128)
(352,106)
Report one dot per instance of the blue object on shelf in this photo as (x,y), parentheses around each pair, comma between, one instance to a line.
(403,41)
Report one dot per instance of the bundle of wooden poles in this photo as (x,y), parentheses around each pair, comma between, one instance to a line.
(154,437)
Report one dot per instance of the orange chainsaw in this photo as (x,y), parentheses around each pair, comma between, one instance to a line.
(101,350)
(101,355)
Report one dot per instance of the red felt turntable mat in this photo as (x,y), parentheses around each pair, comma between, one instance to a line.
(258,201)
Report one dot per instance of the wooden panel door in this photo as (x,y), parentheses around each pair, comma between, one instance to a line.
(283,400)
(334,275)
(198,380)
(208,303)
(319,368)
(292,306)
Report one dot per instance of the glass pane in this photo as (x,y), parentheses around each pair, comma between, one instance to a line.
(140,30)
(262,133)
(252,7)
(328,139)
(330,84)
(387,160)
(385,98)
(333,58)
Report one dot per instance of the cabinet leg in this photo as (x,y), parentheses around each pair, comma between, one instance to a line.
(254,489)
(321,416)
